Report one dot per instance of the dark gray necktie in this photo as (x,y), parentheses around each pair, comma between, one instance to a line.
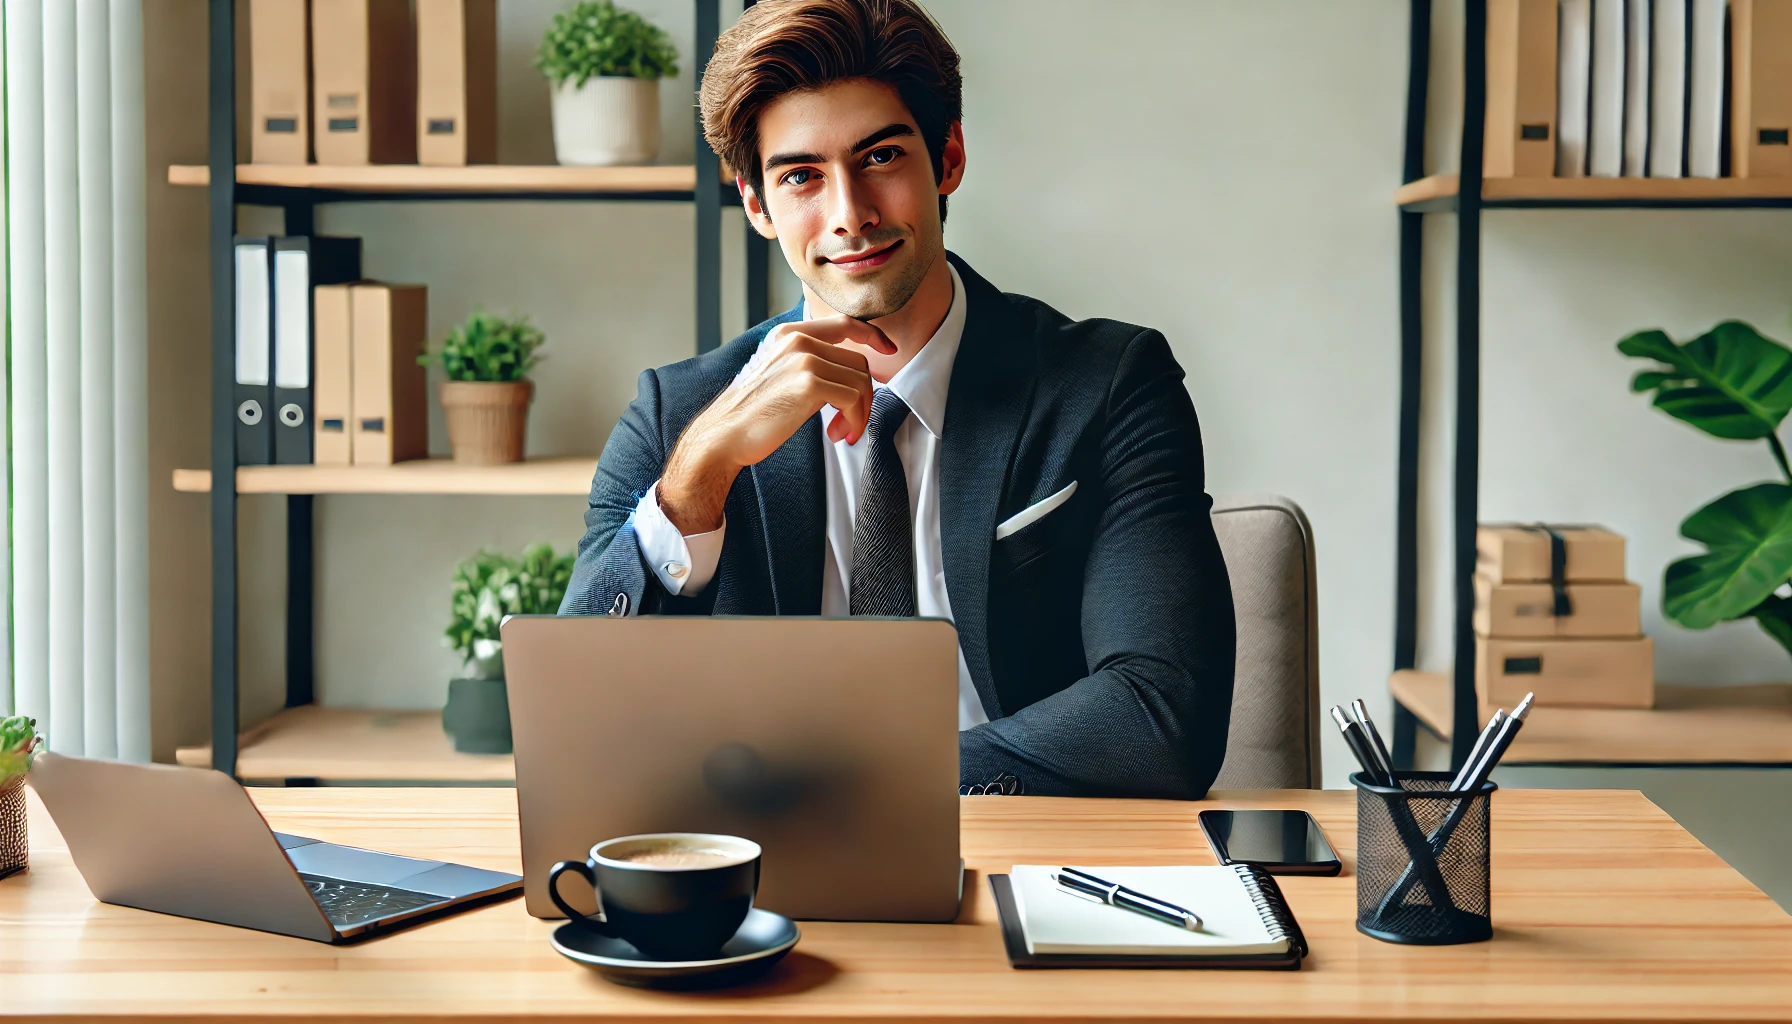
(883,535)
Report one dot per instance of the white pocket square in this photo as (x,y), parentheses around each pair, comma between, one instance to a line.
(1028,516)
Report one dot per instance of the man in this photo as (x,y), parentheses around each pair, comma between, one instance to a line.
(912,441)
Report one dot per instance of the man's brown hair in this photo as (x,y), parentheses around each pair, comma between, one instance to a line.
(782,46)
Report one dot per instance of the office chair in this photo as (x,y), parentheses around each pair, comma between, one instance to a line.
(1273,742)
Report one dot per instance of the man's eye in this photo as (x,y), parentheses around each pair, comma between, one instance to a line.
(883,155)
(800,176)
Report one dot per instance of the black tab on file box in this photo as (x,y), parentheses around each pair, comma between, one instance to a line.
(441,126)
(1773,136)
(1524,666)
(375,426)
(344,124)
(333,425)
(1534,132)
(287,125)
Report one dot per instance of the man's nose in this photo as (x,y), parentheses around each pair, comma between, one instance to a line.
(853,213)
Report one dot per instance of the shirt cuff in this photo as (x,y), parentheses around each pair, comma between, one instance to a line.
(683,565)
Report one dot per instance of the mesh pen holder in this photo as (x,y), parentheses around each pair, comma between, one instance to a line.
(1422,861)
(13,848)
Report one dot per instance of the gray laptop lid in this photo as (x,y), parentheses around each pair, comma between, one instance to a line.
(177,841)
(832,743)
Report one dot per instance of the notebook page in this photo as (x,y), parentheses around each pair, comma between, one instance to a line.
(1057,922)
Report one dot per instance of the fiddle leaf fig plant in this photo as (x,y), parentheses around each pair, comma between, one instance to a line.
(1733,383)
(491,585)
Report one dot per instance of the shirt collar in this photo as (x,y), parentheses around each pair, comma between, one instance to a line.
(922,383)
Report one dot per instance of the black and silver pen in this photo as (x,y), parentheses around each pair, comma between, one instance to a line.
(1358,742)
(1084,884)
(1376,746)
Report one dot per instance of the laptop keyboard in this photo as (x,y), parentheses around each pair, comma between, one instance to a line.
(348,904)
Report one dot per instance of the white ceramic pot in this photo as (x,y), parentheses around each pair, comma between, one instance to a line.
(607,120)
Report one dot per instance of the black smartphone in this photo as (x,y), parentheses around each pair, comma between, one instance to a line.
(1279,842)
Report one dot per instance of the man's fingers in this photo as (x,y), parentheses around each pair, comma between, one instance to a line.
(835,330)
(854,409)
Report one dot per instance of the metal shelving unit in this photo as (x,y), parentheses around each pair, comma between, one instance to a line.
(226,191)
(1467,194)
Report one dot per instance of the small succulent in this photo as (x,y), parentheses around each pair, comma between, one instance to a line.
(488,347)
(596,38)
(491,585)
(18,745)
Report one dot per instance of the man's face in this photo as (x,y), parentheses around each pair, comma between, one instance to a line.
(850,194)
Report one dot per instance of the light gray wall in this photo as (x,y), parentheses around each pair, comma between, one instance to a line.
(1218,169)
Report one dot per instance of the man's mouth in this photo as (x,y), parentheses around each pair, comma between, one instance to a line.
(868,260)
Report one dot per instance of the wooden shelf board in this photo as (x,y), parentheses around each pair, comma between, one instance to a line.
(350,745)
(1688,725)
(1496,191)
(560,475)
(447,180)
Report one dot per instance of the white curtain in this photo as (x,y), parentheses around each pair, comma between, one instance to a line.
(77,387)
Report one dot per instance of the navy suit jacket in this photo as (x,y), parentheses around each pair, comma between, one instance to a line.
(1100,637)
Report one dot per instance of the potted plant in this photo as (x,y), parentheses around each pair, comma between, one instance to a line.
(1735,384)
(486,396)
(603,64)
(18,745)
(488,587)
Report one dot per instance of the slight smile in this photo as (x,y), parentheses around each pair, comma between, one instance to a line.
(868,261)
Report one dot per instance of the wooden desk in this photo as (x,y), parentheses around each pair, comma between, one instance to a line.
(1605,909)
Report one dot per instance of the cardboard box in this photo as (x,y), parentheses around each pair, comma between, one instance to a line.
(363,82)
(1566,673)
(279,82)
(457,82)
(331,400)
(1520,553)
(1526,610)
(390,406)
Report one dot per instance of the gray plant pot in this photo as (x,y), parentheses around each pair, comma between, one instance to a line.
(477,716)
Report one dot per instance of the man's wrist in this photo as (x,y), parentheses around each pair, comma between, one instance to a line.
(694,487)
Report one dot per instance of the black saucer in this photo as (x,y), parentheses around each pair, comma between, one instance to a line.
(763,939)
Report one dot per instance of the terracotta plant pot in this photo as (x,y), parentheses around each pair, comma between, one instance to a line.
(13,847)
(487,420)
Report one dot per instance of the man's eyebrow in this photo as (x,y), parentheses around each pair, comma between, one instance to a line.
(889,131)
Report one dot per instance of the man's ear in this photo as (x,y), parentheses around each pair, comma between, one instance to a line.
(952,159)
(756,215)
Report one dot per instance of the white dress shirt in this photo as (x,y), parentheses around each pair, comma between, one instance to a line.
(686,564)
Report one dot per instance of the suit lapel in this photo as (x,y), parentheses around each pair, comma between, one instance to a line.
(992,381)
(791,501)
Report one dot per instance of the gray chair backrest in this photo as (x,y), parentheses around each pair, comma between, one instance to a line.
(1273,742)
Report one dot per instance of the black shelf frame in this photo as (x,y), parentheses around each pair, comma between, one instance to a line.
(1467,204)
(224,194)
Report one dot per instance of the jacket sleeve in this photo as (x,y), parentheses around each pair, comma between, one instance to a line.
(1150,718)
(609,575)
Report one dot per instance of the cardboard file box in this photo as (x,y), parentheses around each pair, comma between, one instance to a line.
(1566,673)
(1528,610)
(1521,89)
(457,82)
(390,407)
(1761,88)
(279,82)
(1520,553)
(333,328)
(364,82)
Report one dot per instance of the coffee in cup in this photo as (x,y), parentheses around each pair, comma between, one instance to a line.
(674,896)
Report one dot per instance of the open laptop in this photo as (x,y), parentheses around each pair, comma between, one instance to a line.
(832,743)
(188,841)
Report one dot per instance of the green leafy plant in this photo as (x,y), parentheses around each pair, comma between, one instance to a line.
(491,585)
(18,745)
(488,347)
(1733,383)
(596,38)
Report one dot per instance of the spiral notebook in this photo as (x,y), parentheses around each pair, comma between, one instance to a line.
(1245,921)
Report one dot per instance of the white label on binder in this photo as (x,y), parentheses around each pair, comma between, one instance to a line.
(252,313)
(292,312)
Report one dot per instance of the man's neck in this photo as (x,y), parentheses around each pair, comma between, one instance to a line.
(909,327)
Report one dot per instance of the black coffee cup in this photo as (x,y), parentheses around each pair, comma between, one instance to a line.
(674,896)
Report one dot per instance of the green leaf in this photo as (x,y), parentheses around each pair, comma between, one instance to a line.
(491,585)
(1731,382)
(1774,616)
(1749,536)
(490,348)
(595,37)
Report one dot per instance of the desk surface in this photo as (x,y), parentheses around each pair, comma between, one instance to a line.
(1604,909)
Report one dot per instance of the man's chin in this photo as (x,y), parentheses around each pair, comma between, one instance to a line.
(862,302)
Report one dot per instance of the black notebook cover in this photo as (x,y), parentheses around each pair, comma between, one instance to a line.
(1016,940)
